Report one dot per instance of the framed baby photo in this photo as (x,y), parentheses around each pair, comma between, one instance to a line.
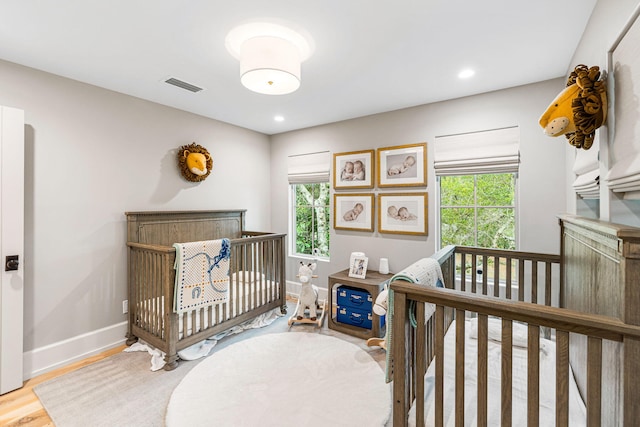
(402,166)
(402,213)
(358,268)
(353,212)
(354,169)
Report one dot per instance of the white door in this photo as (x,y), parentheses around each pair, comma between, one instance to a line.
(11,246)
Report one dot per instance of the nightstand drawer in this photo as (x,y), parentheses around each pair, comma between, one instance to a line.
(355,298)
(353,316)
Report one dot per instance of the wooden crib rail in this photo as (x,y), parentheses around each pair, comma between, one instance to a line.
(596,328)
(257,284)
(604,327)
(259,233)
(515,271)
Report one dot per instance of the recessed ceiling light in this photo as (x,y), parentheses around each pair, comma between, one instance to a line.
(465,74)
(278,119)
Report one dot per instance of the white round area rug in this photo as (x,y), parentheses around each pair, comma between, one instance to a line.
(283,379)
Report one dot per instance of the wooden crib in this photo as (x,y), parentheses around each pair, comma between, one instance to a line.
(586,301)
(257,277)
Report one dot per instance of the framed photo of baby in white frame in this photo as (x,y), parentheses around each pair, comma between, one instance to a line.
(403,213)
(354,169)
(402,166)
(358,269)
(353,212)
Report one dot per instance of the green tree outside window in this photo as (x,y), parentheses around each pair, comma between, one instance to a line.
(311,219)
(478,210)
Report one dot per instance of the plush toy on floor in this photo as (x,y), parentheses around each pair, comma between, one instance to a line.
(308,298)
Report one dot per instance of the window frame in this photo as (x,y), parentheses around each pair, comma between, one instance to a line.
(516,207)
(292,247)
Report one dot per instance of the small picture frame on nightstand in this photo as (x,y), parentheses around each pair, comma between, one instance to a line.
(358,268)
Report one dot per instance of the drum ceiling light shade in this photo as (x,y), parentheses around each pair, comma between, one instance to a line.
(270,56)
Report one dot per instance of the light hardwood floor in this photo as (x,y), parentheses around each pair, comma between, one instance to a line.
(22,407)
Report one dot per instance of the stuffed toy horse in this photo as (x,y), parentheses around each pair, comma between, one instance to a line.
(381,304)
(308,297)
(579,109)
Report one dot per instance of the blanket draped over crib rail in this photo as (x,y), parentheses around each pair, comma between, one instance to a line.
(425,271)
(202,274)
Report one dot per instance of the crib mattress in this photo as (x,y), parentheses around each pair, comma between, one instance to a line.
(257,293)
(577,410)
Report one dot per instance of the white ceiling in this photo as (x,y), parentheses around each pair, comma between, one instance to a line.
(370,56)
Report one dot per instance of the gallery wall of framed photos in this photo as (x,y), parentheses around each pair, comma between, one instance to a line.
(383,172)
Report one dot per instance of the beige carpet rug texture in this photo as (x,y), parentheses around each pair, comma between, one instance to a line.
(122,391)
(285,379)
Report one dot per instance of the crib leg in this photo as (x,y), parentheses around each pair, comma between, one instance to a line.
(131,339)
(171,362)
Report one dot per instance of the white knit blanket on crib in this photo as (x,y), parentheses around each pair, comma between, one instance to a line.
(202,274)
(425,271)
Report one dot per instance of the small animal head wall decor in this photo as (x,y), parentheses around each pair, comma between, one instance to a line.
(579,109)
(194,162)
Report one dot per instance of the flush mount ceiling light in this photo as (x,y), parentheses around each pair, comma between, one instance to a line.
(270,56)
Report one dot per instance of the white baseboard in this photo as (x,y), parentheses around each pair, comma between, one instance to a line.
(44,359)
(293,290)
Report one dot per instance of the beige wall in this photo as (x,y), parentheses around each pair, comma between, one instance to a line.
(91,155)
(541,189)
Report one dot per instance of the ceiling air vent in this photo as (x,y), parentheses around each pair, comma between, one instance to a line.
(183,85)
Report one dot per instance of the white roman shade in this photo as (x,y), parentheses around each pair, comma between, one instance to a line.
(624,146)
(491,151)
(312,167)
(587,171)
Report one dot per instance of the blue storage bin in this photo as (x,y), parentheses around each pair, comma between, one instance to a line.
(355,317)
(353,297)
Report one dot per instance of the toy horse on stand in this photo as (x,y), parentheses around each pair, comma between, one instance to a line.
(308,298)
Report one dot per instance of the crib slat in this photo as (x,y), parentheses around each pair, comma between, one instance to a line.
(547,283)
(594,381)
(496,276)
(534,282)
(485,284)
(148,290)
(474,276)
(521,280)
(508,278)
(507,372)
(463,272)
(265,268)
(144,285)
(401,401)
(562,378)
(439,389)
(421,365)
(252,293)
(533,376)
(483,335)
(460,365)
(156,293)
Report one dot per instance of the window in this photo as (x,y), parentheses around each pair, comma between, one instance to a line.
(477,176)
(478,210)
(310,216)
(311,219)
